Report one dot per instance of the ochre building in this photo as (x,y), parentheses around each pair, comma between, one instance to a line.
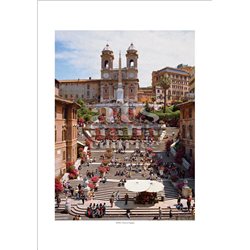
(65,132)
(179,83)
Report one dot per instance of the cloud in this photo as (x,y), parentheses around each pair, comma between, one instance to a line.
(81,50)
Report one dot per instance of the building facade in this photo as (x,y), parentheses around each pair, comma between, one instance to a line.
(179,84)
(187,128)
(187,120)
(65,132)
(88,90)
(110,76)
(145,95)
(105,89)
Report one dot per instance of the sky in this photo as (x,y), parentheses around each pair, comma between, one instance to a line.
(77,53)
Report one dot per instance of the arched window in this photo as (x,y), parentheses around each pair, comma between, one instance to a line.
(131,63)
(106,64)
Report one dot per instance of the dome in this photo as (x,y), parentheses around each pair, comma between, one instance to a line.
(107,48)
(131,47)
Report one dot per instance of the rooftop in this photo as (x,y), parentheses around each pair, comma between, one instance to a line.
(172,70)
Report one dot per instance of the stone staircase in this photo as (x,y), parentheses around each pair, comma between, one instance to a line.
(146,213)
(105,190)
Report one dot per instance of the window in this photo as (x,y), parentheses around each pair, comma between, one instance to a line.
(66,96)
(64,133)
(158,91)
(88,86)
(76,96)
(131,63)
(55,135)
(106,64)
(190,128)
(64,155)
(64,111)
(82,96)
(131,90)
(183,131)
(190,112)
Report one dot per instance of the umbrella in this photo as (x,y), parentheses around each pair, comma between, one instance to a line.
(137,185)
(91,185)
(95,179)
(155,187)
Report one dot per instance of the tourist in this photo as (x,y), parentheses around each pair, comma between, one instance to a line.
(170,214)
(111,200)
(126,198)
(189,203)
(160,213)
(179,199)
(104,208)
(83,197)
(72,191)
(128,213)
(58,201)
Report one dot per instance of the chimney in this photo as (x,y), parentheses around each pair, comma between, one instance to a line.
(90,78)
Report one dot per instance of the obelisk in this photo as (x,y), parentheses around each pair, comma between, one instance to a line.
(119,91)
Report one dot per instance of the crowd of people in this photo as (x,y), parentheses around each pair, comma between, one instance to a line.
(96,210)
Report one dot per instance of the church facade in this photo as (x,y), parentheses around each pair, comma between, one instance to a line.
(122,81)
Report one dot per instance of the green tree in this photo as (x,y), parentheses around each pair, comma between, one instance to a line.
(165,83)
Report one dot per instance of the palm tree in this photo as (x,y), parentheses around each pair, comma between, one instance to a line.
(165,82)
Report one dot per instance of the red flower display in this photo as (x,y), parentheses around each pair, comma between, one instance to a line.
(95,179)
(58,186)
(91,185)
(102,169)
(68,164)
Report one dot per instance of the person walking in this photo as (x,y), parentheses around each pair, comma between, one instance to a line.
(160,213)
(83,197)
(126,199)
(170,214)
(58,201)
(104,208)
(179,200)
(189,203)
(111,201)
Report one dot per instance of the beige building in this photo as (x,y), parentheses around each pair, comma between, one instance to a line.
(187,120)
(187,128)
(105,89)
(179,84)
(65,132)
(88,90)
